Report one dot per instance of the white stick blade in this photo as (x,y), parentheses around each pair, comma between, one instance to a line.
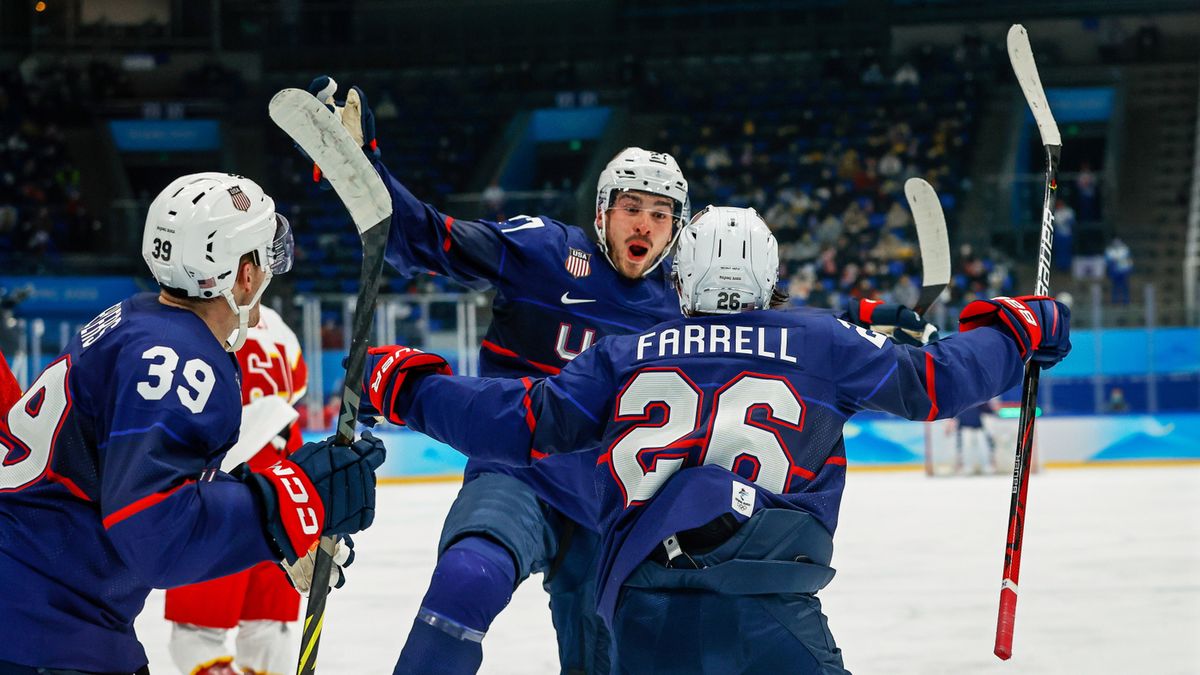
(1020,55)
(931,231)
(322,136)
(262,420)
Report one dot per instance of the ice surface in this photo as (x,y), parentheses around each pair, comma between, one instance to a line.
(1110,580)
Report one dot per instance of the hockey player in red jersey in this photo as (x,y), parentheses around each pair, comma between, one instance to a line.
(259,602)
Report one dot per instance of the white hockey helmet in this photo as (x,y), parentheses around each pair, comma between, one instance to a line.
(726,261)
(198,229)
(644,171)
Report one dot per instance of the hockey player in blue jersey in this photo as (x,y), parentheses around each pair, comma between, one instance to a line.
(110,484)
(557,292)
(724,462)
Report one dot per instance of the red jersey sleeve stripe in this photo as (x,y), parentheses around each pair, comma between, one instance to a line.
(141,505)
(930,388)
(530,421)
(446,243)
(497,349)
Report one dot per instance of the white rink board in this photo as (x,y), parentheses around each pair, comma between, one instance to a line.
(1110,579)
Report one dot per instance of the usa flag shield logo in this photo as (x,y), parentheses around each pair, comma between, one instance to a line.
(241,201)
(579,264)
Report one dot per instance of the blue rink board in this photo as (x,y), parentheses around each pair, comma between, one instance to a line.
(879,442)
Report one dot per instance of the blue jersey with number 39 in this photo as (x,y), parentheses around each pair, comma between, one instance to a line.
(109,487)
(754,400)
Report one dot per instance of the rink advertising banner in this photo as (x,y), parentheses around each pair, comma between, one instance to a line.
(897,443)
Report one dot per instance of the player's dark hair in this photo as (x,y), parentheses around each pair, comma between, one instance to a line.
(779,297)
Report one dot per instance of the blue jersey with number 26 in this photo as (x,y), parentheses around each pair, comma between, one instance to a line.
(753,400)
(109,487)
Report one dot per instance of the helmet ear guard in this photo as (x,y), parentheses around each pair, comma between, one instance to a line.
(726,261)
(638,170)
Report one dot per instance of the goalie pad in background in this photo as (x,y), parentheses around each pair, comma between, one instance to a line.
(941,439)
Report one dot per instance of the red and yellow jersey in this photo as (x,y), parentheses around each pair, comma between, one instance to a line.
(272,365)
(271,361)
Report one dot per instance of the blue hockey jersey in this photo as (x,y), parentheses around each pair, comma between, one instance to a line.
(109,486)
(556,295)
(758,398)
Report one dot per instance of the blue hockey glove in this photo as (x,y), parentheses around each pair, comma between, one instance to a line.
(1040,325)
(355,114)
(895,321)
(388,369)
(322,488)
(300,572)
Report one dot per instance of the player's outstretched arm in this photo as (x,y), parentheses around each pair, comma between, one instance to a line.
(511,421)
(422,238)
(944,378)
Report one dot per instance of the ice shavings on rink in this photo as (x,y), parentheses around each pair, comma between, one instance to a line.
(1110,579)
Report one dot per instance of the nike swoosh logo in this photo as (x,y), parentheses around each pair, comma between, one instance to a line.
(567,300)
(531,225)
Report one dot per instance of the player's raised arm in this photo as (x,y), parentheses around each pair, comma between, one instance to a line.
(944,378)
(511,421)
(422,238)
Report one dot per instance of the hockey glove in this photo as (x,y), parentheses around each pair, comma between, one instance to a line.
(355,115)
(1040,325)
(322,488)
(300,572)
(895,321)
(388,370)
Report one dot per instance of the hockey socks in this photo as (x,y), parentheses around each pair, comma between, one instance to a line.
(472,583)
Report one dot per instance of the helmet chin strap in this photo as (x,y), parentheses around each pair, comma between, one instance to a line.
(238,339)
(604,247)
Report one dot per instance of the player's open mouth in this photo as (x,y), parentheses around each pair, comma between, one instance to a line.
(637,252)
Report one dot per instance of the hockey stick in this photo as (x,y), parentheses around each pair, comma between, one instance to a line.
(932,238)
(321,135)
(263,419)
(935,258)
(1021,57)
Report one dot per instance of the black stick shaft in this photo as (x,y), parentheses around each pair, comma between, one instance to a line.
(374,243)
(1024,452)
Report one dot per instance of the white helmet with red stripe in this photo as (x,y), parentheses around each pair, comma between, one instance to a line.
(198,229)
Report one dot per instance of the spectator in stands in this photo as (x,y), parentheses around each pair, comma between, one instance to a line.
(1116,401)
(906,74)
(1148,42)
(493,202)
(905,292)
(1087,194)
(1064,240)
(1120,265)
(873,75)
(332,336)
